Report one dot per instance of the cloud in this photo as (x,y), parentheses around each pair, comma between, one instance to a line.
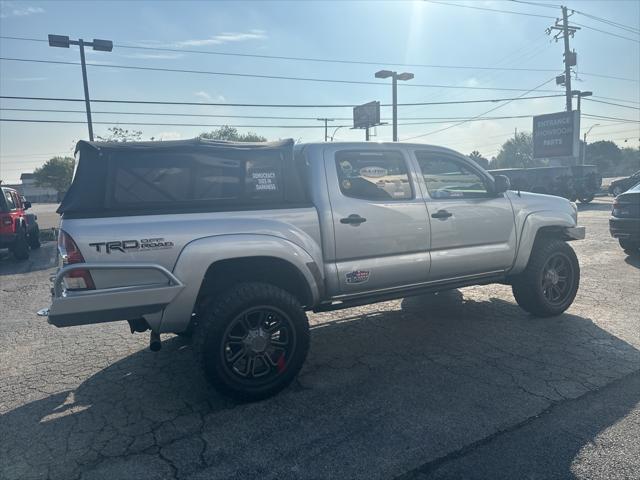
(205,97)
(10,10)
(222,38)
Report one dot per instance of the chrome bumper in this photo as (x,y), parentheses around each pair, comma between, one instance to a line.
(70,308)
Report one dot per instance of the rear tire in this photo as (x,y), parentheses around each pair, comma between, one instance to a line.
(586,198)
(630,247)
(252,342)
(34,239)
(20,248)
(550,282)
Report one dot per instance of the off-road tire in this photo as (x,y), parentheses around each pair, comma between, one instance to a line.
(20,247)
(630,247)
(211,333)
(528,287)
(34,239)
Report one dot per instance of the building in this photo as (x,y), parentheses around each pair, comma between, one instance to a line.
(33,192)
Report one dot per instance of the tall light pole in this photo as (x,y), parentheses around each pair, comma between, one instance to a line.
(395,76)
(580,94)
(584,141)
(63,41)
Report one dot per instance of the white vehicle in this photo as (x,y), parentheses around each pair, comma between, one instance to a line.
(232,243)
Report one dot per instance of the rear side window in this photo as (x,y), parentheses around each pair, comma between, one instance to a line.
(195,179)
(10,203)
(373,175)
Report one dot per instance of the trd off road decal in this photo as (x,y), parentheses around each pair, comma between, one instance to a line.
(357,276)
(130,245)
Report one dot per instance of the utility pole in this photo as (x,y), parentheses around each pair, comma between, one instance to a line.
(564,31)
(567,53)
(63,41)
(326,120)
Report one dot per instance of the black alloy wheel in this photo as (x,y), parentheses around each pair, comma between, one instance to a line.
(257,344)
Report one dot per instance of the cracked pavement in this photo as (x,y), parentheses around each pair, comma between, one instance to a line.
(462,384)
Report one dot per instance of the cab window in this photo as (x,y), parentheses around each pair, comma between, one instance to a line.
(373,175)
(11,204)
(449,178)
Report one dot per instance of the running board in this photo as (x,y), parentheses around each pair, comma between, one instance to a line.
(409,292)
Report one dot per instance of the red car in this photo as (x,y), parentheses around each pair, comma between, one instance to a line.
(18,230)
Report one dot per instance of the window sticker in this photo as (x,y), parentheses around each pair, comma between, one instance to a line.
(264,181)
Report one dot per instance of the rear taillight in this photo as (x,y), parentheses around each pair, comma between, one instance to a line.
(70,254)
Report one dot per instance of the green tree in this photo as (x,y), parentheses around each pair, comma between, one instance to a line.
(119,134)
(516,152)
(56,173)
(477,157)
(231,134)
(630,161)
(606,155)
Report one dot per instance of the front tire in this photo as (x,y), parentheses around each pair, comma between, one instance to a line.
(252,342)
(550,282)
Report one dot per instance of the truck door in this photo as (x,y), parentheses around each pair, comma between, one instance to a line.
(472,229)
(380,222)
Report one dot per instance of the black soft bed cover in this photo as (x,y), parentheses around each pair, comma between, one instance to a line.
(88,192)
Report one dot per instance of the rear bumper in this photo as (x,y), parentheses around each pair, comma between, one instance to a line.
(624,227)
(72,308)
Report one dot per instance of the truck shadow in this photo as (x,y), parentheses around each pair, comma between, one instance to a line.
(40,259)
(402,386)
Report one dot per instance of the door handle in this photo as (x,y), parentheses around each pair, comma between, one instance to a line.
(353,219)
(441,214)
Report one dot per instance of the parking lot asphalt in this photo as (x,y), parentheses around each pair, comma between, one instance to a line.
(462,384)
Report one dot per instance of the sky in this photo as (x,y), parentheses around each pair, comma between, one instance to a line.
(451,33)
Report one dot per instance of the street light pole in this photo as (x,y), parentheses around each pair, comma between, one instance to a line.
(395,76)
(584,141)
(87,101)
(63,41)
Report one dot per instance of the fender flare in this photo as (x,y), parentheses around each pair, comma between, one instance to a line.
(197,256)
(532,224)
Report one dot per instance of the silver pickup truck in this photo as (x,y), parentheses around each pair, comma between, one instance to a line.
(231,243)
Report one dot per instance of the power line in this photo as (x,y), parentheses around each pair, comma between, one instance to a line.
(149,124)
(480,115)
(617,99)
(610,118)
(255,75)
(490,9)
(271,105)
(339,61)
(260,117)
(605,32)
(622,26)
(529,15)
(611,103)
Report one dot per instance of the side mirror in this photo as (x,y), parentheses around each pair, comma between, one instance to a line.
(26,204)
(501,184)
